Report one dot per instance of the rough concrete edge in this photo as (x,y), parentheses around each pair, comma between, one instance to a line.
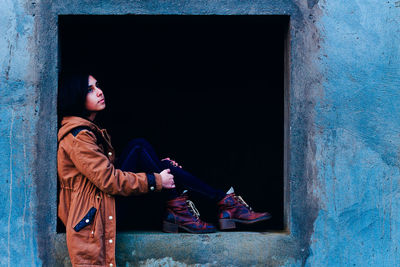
(305,40)
(43,66)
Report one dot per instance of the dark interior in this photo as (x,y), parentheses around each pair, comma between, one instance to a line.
(207,91)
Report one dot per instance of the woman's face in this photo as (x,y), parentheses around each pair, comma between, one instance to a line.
(94,99)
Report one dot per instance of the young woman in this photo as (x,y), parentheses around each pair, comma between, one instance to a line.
(89,180)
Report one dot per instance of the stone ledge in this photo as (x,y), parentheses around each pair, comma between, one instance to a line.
(184,249)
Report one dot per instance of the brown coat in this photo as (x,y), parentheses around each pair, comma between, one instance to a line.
(88,182)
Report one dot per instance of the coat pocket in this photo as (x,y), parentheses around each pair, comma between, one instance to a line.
(86,220)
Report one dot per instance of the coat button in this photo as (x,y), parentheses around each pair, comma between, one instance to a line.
(152,188)
(111,265)
(87,221)
(110,217)
(110,153)
(110,241)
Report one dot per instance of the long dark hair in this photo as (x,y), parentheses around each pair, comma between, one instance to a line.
(72,91)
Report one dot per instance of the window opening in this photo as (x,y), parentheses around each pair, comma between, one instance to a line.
(215,84)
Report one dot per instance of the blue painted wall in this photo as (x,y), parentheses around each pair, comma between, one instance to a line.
(344,135)
(18,116)
(357,137)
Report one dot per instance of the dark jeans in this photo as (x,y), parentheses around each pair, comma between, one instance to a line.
(139,156)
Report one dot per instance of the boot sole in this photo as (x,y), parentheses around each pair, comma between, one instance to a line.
(226,224)
(174,228)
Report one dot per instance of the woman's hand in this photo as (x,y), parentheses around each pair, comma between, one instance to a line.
(173,162)
(167,179)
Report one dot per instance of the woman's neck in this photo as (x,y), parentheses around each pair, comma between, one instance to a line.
(92,116)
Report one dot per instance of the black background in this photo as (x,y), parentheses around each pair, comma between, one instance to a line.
(206,91)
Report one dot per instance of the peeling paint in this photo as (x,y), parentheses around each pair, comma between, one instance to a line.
(169,262)
(312,3)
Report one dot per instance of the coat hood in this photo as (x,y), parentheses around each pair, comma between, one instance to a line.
(71,122)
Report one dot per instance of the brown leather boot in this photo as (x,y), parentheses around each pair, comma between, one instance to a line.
(234,209)
(181,213)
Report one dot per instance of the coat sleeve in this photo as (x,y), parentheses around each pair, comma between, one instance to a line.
(93,164)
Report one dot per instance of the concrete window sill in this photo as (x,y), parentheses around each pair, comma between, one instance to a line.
(143,248)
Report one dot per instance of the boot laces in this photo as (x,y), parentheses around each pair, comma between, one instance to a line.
(192,207)
(241,200)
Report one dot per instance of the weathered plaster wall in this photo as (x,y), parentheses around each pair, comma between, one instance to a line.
(342,172)
(18,118)
(357,137)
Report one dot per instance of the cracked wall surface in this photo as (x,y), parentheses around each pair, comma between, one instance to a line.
(357,140)
(342,172)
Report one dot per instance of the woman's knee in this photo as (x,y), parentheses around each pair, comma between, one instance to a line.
(138,142)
